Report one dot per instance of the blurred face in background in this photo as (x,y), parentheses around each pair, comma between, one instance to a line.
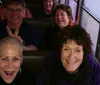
(61,18)
(48,5)
(10,62)
(15,13)
(71,56)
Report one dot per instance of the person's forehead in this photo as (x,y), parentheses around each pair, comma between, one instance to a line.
(60,11)
(49,0)
(14,5)
(7,47)
(72,43)
(10,53)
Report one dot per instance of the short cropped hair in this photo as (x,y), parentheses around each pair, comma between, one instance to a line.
(22,2)
(79,35)
(11,41)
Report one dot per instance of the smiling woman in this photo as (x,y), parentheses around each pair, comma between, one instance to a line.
(63,18)
(74,63)
(47,8)
(11,57)
(71,56)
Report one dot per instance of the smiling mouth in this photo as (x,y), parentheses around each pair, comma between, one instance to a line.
(60,21)
(14,17)
(71,62)
(9,73)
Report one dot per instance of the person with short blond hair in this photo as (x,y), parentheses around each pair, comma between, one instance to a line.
(11,70)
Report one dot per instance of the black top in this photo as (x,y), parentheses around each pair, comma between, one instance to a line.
(27,32)
(23,78)
(41,14)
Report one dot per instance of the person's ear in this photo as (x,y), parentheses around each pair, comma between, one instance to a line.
(24,12)
(21,59)
(70,19)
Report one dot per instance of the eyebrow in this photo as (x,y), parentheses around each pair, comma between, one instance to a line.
(69,47)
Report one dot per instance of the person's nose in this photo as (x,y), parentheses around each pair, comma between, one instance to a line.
(72,54)
(48,3)
(10,64)
(14,12)
(59,16)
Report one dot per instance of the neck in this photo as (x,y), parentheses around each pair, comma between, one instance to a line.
(61,27)
(47,12)
(13,26)
(73,72)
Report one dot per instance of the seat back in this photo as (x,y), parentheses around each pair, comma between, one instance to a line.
(42,25)
(34,61)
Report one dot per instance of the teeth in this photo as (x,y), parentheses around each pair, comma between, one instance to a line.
(60,21)
(14,17)
(71,62)
(9,72)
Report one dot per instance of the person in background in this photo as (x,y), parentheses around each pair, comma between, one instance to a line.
(3,13)
(11,70)
(15,26)
(74,63)
(47,9)
(28,13)
(63,18)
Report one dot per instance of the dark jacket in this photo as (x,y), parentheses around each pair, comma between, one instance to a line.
(51,39)
(55,74)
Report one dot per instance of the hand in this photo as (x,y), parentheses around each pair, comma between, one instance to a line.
(73,23)
(30,47)
(15,34)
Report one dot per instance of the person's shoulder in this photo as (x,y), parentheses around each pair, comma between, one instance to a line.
(28,76)
(51,60)
(28,26)
(95,73)
(93,62)
(26,71)
(94,67)
(3,22)
(29,23)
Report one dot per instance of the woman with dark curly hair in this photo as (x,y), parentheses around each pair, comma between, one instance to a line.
(74,64)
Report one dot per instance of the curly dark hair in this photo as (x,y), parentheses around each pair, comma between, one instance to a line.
(79,35)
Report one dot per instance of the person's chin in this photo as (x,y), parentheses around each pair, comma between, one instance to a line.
(8,78)
(71,70)
(15,22)
(8,81)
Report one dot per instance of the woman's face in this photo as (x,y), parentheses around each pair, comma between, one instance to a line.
(10,61)
(71,56)
(48,4)
(61,18)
